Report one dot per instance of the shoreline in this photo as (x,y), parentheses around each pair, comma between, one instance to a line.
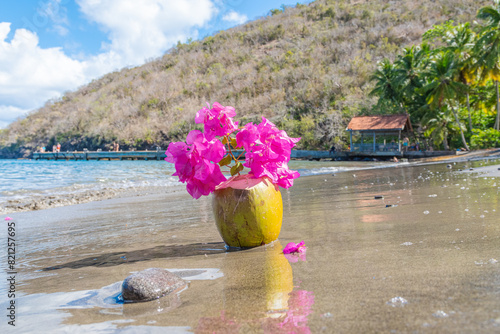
(42,202)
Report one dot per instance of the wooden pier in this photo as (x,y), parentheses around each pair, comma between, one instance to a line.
(95,155)
(296,154)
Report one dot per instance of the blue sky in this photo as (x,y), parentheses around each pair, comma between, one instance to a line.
(48,47)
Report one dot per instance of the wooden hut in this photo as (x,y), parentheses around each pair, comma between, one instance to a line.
(374,132)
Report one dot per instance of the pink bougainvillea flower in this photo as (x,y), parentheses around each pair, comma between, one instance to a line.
(292,247)
(8,218)
(248,137)
(196,163)
(268,151)
(217,121)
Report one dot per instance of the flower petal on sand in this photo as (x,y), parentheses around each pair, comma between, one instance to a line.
(294,248)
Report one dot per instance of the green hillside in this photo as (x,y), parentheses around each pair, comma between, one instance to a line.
(306,68)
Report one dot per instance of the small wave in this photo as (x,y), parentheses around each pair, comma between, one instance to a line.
(324,170)
(77,193)
(35,185)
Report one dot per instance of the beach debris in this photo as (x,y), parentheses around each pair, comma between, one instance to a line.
(397,302)
(426,212)
(150,284)
(390,205)
(440,314)
(408,243)
(490,261)
(448,165)
(292,247)
(379,197)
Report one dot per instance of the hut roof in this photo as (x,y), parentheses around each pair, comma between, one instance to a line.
(380,122)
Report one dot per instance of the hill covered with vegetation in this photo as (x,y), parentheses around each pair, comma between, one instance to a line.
(307,68)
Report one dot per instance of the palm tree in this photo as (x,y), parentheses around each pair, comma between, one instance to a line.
(460,41)
(438,126)
(443,88)
(407,75)
(487,49)
(386,87)
(461,44)
(408,67)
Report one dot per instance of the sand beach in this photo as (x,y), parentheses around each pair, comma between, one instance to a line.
(423,258)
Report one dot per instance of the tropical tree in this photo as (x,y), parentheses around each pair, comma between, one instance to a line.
(438,127)
(408,75)
(460,41)
(442,88)
(386,87)
(487,49)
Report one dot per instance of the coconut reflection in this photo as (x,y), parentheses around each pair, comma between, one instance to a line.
(260,296)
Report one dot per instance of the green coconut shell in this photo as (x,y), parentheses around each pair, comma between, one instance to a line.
(248,217)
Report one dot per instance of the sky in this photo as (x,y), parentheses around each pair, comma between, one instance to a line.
(49,47)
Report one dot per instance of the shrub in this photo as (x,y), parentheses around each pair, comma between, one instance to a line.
(485,138)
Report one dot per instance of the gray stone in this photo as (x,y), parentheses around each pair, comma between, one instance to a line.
(149,284)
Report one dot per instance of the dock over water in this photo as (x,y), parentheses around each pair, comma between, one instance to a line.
(96,155)
(296,154)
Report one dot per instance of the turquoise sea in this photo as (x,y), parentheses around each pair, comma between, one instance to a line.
(21,179)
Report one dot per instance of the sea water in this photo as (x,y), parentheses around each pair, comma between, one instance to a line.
(25,179)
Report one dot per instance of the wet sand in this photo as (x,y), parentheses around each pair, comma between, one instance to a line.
(424,259)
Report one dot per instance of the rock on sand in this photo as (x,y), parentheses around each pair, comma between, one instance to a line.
(150,284)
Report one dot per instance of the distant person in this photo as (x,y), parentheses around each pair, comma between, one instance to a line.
(117,147)
(332,150)
(42,150)
(395,159)
(417,146)
(58,147)
(405,143)
(54,149)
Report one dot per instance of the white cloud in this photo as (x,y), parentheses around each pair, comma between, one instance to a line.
(30,75)
(60,30)
(9,113)
(235,17)
(137,30)
(57,13)
(54,11)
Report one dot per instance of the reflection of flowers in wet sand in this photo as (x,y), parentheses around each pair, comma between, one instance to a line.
(293,258)
(295,321)
(300,304)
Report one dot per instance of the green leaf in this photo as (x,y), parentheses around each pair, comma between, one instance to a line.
(236,168)
(234,143)
(225,161)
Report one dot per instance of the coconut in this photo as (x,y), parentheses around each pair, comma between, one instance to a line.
(248,211)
